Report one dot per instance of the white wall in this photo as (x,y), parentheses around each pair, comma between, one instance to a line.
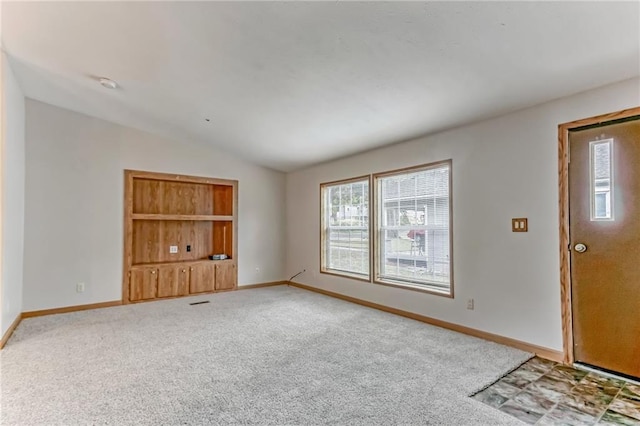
(13,193)
(502,168)
(74,204)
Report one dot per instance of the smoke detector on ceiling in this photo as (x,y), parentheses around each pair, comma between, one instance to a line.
(108,83)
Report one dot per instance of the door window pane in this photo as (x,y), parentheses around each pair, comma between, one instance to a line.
(601,162)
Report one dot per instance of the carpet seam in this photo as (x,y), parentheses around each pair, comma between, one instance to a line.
(502,377)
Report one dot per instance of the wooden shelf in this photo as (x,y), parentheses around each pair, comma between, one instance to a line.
(203,217)
(180,262)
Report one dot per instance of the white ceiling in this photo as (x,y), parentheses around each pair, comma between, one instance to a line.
(287,85)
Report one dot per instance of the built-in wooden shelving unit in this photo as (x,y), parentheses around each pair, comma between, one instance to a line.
(172,224)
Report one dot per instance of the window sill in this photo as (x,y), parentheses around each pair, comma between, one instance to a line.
(423,288)
(343,274)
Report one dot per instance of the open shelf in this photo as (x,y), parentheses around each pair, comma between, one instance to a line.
(180,262)
(156,216)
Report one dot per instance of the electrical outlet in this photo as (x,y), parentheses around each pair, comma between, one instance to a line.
(257,269)
(470,304)
(80,288)
(173,249)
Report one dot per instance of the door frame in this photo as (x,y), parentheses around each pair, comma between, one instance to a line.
(563,181)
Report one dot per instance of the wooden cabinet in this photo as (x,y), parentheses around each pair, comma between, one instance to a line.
(172,224)
(226,276)
(202,278)
(143,284)
(173,280)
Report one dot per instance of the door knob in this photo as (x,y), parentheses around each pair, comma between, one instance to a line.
(580,248)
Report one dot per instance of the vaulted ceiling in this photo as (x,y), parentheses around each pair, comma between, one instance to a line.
(288,84)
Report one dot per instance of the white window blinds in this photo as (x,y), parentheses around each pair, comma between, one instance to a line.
(413,235)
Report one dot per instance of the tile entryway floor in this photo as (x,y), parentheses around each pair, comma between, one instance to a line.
(543,392)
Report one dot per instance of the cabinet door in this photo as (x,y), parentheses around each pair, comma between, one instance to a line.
(143,284)
(173,281)
(225,276)
(202,278)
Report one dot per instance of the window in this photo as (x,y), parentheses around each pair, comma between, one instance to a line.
(600,159)
(413,233)
(345,228)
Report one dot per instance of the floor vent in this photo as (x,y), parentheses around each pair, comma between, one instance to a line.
(199,303)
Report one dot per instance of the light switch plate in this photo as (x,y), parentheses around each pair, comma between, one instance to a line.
(173,249)
(519,224)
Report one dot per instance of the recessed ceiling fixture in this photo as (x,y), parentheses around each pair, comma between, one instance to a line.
(108,83)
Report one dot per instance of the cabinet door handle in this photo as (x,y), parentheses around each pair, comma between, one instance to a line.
(153,272)
(184,270)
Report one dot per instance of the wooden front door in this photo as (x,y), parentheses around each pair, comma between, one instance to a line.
(604,206)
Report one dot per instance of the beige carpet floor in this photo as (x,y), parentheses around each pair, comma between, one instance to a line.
(271,356)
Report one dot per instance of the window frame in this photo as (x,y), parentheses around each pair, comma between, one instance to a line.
(375,227)
(323,267)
